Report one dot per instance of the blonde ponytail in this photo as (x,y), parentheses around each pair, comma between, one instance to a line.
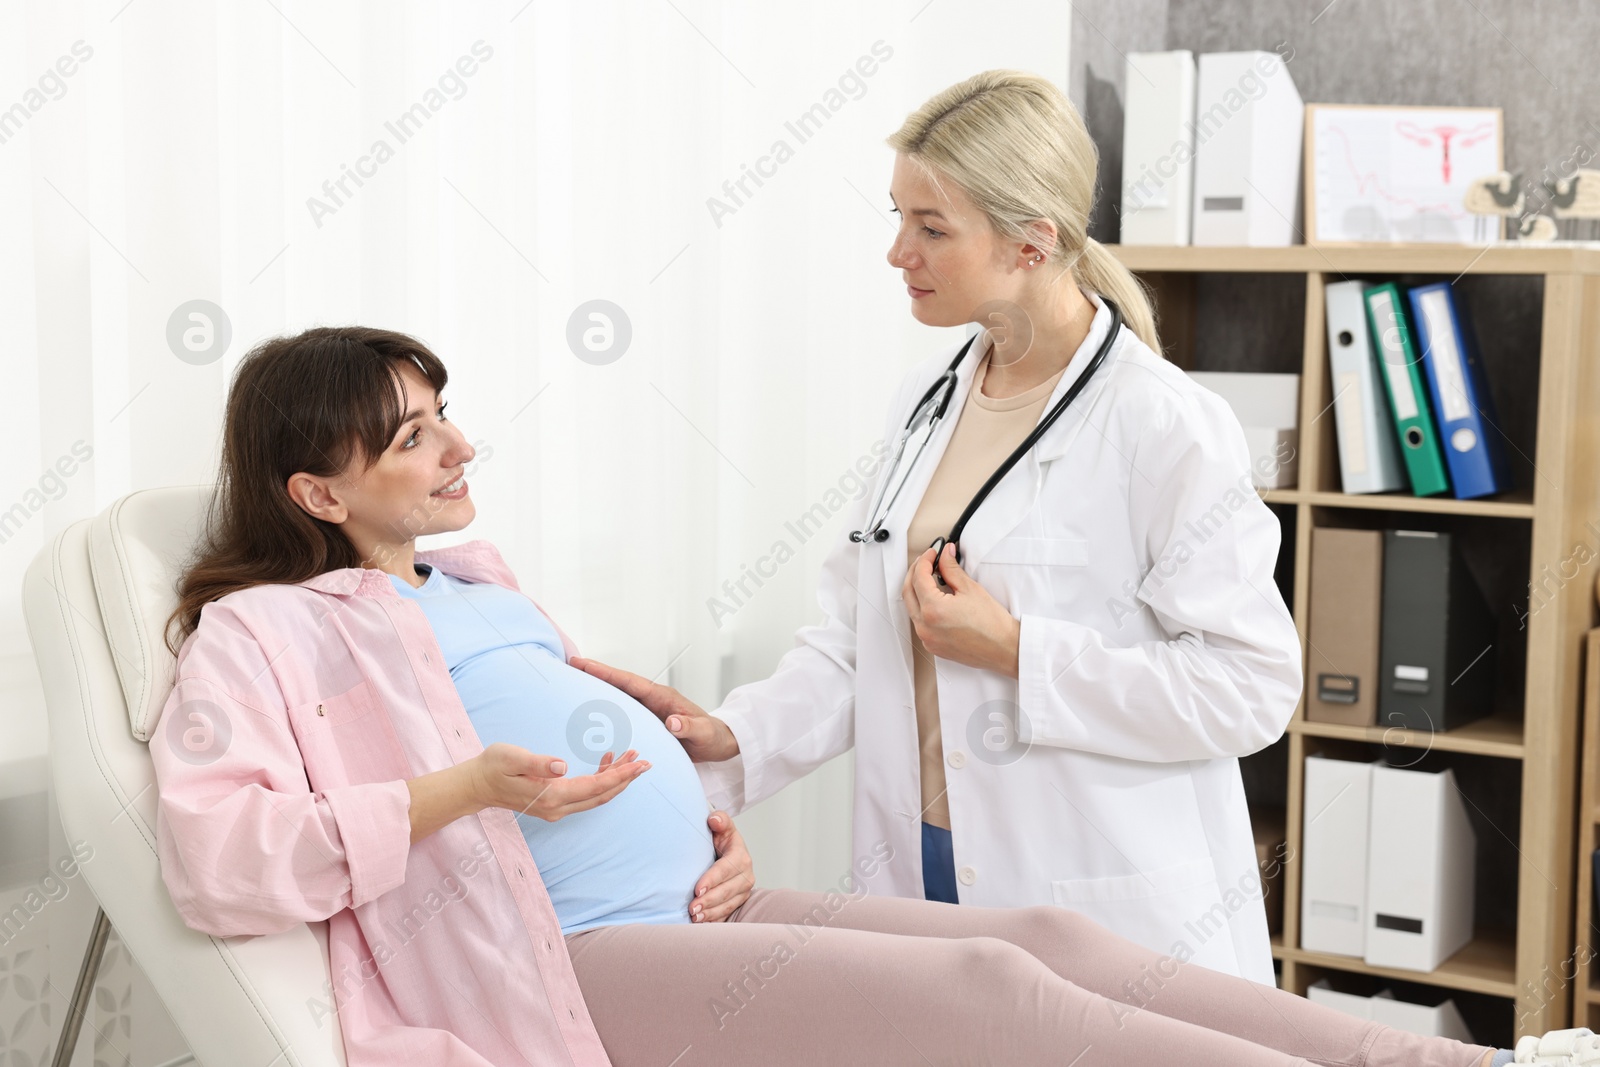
(1018,148)
(1104,273)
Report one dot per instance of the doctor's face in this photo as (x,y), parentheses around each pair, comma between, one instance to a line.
(400,497)
(949,255)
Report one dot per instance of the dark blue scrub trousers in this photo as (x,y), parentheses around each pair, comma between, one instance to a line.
(938,865)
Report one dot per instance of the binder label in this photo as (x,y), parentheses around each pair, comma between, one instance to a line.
(1447,366)
(1352,436)
(1397,922)
(1394,356)
(1324,909)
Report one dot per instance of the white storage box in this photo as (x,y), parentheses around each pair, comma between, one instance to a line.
(1436,1020)
(1268,409)
(1420,863)
(1249,124)
(1158,148)
(1333,890)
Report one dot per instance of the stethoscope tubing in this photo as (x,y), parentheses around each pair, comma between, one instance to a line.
(875,531)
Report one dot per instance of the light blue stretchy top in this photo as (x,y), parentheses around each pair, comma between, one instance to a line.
(633,859)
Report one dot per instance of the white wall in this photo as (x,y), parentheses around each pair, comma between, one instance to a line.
(175,163)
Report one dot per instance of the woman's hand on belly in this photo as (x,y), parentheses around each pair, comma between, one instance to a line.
(509,776)
(725,887)
(705,737)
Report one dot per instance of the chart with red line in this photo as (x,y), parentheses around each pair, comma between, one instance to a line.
(1397,174)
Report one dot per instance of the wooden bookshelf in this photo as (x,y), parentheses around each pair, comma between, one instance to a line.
(1585,974)
(1498,735)
(1504,258)
(1512,505)
(1549,514)
(1486,964)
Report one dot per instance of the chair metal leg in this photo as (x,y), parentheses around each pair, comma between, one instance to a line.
(80,993)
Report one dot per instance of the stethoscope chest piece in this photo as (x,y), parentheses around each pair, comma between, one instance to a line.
(938,551)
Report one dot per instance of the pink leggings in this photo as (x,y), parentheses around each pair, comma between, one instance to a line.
(886,980)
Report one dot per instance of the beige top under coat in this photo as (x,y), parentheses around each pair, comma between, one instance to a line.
(988,430)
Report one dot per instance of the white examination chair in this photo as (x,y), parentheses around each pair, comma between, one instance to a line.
(96,599)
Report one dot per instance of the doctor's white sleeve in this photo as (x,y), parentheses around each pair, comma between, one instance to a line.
(802,716)
(1228,679)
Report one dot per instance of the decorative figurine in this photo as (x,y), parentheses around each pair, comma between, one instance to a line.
(1574,197)
(1499,196)
(1536,229)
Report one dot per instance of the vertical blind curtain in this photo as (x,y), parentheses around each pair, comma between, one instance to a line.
(472,174)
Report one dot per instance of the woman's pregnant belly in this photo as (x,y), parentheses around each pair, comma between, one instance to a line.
(633,859)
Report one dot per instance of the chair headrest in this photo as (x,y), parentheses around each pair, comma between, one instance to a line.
(137,548)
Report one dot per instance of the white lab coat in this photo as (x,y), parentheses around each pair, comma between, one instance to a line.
(1155,651)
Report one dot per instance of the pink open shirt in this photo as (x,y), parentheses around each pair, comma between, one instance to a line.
(302,711)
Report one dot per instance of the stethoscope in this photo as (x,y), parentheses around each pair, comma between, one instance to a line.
(931,409)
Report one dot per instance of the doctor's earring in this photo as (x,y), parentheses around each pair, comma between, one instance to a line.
(1036,260)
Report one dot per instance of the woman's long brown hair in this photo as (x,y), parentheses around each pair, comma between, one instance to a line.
(310,403)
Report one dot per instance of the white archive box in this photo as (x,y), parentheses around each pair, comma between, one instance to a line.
(1429,1020)
(1268,409)
(1249,124)
(1158,148)
(1421,859)
(1320,992)
(1333,888)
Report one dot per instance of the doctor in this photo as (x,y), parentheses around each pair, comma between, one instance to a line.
(1051,709)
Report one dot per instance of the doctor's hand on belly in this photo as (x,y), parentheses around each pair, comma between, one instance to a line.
(960,622)
(725,887)
(705,737)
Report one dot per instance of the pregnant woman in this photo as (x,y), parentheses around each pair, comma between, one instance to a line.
(379,736)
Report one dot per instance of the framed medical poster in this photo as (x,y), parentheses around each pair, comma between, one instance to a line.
(1390,174)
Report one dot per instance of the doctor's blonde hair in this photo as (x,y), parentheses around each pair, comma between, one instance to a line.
(1015,144)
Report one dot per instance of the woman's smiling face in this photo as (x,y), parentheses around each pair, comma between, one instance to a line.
(386,507)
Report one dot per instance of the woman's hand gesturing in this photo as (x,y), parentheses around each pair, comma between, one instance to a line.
(706,738)
(509,776)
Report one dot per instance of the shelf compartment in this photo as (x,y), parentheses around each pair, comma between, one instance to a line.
(1452,259)
(1486,964)
(1498,735)
(1497,554)
(1517,504)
